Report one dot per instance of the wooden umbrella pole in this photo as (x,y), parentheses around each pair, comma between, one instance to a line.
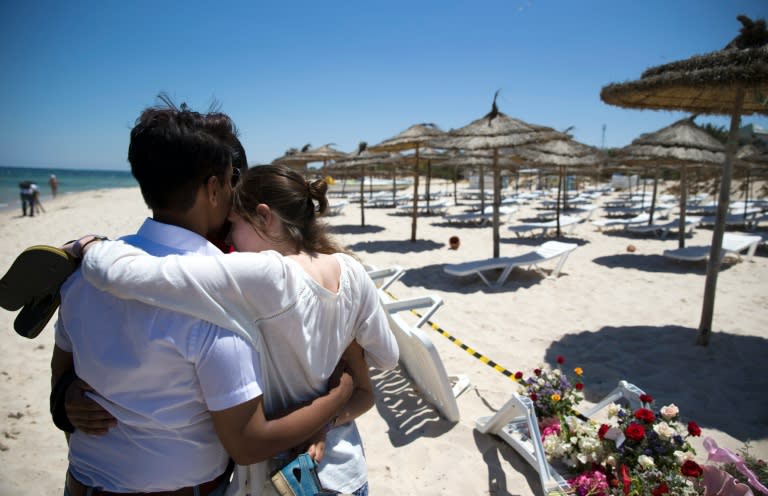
(362,195)
(429,180)
(557,203)
(715,250)
(415,196)
(482,189)
(653,195)
(746,198)
(496,201)
(683,203)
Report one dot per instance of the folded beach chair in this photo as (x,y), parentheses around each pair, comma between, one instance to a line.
(420,358)
(516,424)
(565,221)
(733,244)
(662,230)
(547,251)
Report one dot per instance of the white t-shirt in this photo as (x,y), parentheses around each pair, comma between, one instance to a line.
(299,328)
(160,373)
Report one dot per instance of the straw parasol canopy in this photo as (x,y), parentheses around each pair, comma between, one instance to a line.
(493,131)
(732,81)
(300,159)
(414,138)
(682,144)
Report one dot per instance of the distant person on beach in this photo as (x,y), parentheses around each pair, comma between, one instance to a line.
(36,205)
(186,394)
(54,184)
(305,320)
(27,198)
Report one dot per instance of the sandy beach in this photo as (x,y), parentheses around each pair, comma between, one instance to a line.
(618,315)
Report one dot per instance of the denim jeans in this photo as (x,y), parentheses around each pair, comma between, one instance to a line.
(362,490)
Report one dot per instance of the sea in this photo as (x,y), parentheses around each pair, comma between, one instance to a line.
(70,181)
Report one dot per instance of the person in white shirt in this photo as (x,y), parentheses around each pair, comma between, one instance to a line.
(325,302)
(186,394)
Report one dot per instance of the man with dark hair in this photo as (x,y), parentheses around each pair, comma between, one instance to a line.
(185,394)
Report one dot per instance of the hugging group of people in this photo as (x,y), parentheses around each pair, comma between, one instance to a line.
(230,329)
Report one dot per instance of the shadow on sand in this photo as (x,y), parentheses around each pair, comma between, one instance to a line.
(720,386)
(656,263)
(406,413)
(404,246)
(354,229)
(433,277)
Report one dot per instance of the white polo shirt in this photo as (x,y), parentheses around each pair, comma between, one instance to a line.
(159,373)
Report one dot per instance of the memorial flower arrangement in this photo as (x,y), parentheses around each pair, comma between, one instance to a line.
(553,393)
(648,452)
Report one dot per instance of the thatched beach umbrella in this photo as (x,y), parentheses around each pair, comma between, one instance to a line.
(682,144)
(295,159)
(732,81)
(308,155)
(413,138)
(492,132)
(563,154)
(431,157)
(753,159)
(361,159)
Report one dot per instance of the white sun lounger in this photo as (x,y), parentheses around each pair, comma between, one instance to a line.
(480,218)
(662,230)
(637,220)
(547,251)
(565,221)
(516,424)
(733,244)
(420,358)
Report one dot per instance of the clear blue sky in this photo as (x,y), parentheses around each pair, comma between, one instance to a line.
(77,74)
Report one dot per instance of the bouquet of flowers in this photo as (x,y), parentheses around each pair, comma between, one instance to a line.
(649,451)
(554,395)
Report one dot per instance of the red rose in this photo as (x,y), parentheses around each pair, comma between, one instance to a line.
(560,359)
(537,372)
(534,396)
(691,469)
(518,376)
(694,429)
(579,386)
(646,398)
(603,429)
(662,489)
(645,415)
(635,432)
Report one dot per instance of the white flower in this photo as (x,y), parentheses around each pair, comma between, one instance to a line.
(664,430)
(541,382)
(670,411)
(556,372)
(613,410)
(645,461)
(684,456)
(610,460)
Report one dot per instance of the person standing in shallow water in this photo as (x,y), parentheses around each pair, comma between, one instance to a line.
(54,184)
(27,198)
